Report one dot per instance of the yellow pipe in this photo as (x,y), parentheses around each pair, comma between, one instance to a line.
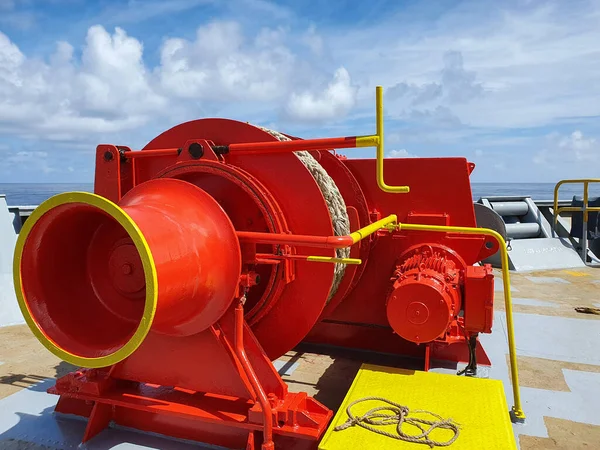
(377,141)
(327,259)
(575,209)
(517,408)
(357,236)
(585,201)
(372,228)
(380,152)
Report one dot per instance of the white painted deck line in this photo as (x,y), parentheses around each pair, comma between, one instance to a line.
(548,280)
(533,302)
(499,286)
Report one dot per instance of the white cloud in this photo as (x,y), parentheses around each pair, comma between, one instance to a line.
(333,102)
(456,85)
(402,153)
(313,40)
(135,11)
(107,91)
(110,89)
(523,65)
(572,149)
(34,160)
(221,65)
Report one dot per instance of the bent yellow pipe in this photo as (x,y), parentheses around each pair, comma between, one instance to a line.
(377,141)
(372,228)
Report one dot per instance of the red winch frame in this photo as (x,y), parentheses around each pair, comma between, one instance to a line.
(202,370)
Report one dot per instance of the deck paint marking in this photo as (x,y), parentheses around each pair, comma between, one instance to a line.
(536,337)
(548,280)
(582,404)
(499,286)
(575,273)
(533,302)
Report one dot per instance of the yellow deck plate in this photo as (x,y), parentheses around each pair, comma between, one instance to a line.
(478,405)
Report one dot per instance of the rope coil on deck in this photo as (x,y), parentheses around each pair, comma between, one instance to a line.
(399,417)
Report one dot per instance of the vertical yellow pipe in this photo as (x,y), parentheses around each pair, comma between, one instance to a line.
(555,212)
(380,150)
(585,200)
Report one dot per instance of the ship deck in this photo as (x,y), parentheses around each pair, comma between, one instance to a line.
(558,356)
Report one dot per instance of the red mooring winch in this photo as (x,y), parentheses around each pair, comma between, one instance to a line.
(219,247)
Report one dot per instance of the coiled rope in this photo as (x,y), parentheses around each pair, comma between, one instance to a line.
(398,415)
(333,199)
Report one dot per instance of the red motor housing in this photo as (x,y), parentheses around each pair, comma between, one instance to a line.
(426,295)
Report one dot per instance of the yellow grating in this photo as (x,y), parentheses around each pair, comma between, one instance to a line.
(478,405)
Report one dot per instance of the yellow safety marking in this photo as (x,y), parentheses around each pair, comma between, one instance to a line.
(327,259)
(367,141)
(477,405)
(149,272)
(372,228)
(576,274)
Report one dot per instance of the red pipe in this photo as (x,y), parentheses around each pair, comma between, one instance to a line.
(292,146)
(262,396)
(296,239)
(151,153)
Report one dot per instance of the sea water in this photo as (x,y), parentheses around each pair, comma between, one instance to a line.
(35,193)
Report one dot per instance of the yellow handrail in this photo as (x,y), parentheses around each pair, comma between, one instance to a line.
(376,140)
(514,372)
(357,236)
(585,208)
(372,228)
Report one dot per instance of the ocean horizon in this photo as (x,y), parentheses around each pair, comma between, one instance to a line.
(35,193)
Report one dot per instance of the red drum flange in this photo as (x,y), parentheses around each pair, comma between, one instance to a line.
(297,307)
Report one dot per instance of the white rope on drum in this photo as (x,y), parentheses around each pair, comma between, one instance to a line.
(335,205)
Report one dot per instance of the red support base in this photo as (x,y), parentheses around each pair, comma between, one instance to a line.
(226,387)
(298,420)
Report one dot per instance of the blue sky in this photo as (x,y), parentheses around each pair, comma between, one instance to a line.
(514,86)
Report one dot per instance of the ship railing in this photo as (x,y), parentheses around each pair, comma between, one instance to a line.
(585,209)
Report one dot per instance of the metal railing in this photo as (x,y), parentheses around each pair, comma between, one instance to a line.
(585,209)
